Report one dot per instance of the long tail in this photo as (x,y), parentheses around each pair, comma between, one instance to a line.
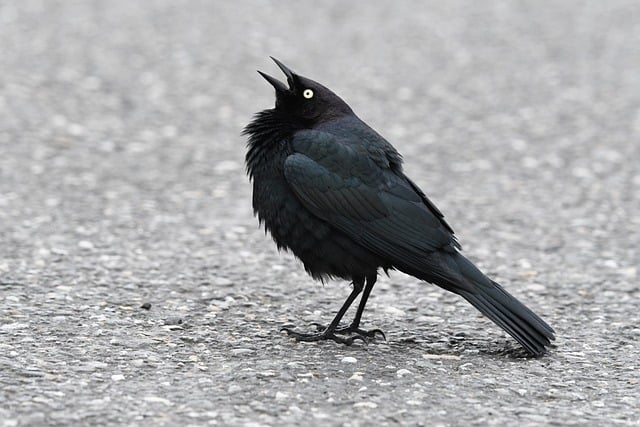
(533,333)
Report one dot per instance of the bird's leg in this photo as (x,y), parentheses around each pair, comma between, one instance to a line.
(355,325)
(329,332)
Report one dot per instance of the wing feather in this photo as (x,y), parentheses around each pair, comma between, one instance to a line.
(373,204)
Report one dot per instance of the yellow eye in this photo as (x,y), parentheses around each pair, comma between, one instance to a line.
(308,93)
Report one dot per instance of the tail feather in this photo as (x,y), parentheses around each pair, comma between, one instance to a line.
(512,316)
(533,333)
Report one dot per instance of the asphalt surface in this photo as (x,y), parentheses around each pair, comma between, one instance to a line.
(122,183)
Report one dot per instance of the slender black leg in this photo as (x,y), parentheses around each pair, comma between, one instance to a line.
(355,325)
(329,331)
(371,280)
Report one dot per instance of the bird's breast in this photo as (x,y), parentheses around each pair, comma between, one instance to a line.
(324,250)
(290,224)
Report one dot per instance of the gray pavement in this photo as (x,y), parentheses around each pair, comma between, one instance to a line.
(122,183)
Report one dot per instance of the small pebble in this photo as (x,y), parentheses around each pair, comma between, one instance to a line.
(394,312)
(222,281)
(365,405)
(157,399)
(349,359)
(356,377)
(402,372)
(242,351)
(85,244)
(441,356)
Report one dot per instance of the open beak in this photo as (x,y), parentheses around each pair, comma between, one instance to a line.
(277,84)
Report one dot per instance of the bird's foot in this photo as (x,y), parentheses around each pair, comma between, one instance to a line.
(354,330)
(323,335)
(370,333)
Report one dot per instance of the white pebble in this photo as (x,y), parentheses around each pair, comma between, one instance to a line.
(393,311)
(85,244)
(536,287)
(221,281)
(75,129)
(440,356)
(241,351)
(355,377)
(629,272)
(402,372)
(365,405)
(349,359)
(157,399)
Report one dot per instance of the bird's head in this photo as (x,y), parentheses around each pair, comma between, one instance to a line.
(305,100)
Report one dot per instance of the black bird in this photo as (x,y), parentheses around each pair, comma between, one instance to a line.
(330,189)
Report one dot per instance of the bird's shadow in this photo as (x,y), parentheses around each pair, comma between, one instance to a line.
(459,345)
(446,344)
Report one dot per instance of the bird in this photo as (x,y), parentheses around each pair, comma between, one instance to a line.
(331,190)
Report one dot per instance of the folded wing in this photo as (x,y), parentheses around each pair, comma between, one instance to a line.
(338,181)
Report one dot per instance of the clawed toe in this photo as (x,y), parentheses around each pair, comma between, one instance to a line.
(372,333)
(362,332)
(324,335)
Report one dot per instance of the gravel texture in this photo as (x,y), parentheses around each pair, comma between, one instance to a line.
(137,289)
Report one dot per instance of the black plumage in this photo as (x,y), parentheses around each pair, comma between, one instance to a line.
(330,189)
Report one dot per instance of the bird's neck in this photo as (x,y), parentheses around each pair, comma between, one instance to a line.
(269,134)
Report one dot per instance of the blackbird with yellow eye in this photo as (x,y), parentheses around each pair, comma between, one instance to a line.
(331,190)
